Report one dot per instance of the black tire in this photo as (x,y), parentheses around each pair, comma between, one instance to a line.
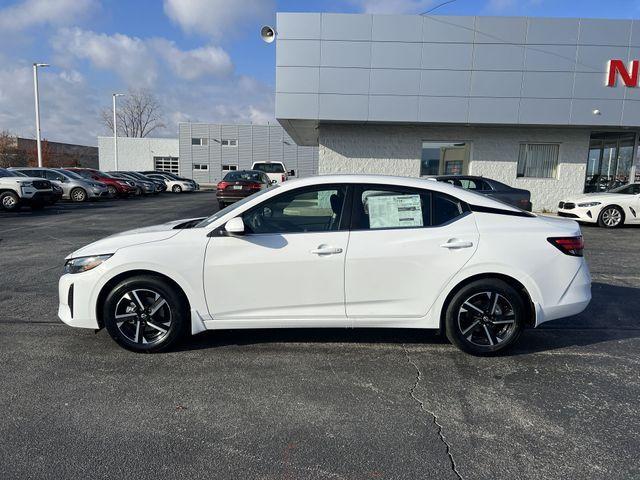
(221,205)
(471,313)
(137,332)
(176,189)
(78,195)
(112,191)
(611,216)
(9,201)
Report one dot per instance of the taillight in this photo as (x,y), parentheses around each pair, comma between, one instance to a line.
(254,186)
(573,246)
(284,177)
(222,185)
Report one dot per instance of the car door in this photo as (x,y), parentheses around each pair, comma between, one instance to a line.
(287,269)
(405,245)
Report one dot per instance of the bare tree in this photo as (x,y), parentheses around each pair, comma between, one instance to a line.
(139,114)
(8,150)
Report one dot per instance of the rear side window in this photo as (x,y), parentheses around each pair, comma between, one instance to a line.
(381,207)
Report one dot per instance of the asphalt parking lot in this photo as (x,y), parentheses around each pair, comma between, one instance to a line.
(370,404)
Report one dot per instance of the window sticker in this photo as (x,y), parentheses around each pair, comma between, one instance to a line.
(393,211)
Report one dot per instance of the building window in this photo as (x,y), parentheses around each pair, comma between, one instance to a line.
(200,166)
(166,164)
(228,168)
(200,141)
(539,160)
(448,158)
(229,142)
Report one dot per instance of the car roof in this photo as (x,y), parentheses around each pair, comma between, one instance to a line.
(468,196)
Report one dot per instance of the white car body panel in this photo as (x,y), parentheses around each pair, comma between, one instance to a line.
(629,203)
(389,278)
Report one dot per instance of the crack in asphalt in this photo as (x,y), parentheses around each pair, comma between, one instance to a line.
(447,445)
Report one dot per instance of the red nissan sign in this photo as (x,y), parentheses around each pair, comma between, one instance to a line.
(628,75)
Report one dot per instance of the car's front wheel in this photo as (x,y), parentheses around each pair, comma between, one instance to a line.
(9,201)
(112,191)
(146,314)
(176,189)
(611,217)
(485,317)
(78,195)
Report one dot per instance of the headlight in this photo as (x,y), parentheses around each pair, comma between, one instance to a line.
(83,264)
(589,204)
(26,183)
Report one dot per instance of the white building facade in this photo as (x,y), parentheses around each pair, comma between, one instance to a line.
(549,105)
(139,154)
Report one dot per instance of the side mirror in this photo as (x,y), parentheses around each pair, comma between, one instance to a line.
(292,173)
(235,226)
(273,182)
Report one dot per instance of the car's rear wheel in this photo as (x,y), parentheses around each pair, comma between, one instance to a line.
(145,314)
(611,217)
(112,191)
(485,317)
(176,189)
(221,205)
(9,201)
(78,195)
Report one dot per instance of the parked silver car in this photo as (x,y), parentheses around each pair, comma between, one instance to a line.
(74,187)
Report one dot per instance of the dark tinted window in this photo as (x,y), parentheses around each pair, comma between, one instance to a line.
(243,175)
(445,209)
(52,175)
(316,209)
(6,173)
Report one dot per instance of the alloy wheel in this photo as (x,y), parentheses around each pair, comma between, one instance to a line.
(487,319)
(78,195)
(9,202)
(143,316)
(611,217)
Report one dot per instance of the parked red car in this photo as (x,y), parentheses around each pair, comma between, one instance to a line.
(117,186)
(239,184)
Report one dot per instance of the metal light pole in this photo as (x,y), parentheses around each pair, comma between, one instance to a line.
(37,100)
(115,130)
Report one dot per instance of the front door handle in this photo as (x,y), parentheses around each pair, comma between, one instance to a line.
(454,244)
(326,250)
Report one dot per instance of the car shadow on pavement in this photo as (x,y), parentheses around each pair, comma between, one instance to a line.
(611,316)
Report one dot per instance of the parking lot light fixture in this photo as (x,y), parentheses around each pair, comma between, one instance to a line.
(115,131)
(37,100)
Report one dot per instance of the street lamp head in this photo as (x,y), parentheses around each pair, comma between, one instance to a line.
(41,65)
(118,94)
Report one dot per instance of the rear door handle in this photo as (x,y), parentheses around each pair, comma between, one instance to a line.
(326,250)
(454,244)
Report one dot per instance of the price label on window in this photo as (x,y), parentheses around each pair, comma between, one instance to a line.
(394,211)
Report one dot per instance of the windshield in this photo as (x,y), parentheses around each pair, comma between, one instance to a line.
(632,189)
(233,206)
(82,173)
(7,173)
(243,175)
(69,174)
(269,167)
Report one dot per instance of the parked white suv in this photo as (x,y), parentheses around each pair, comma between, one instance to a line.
(17,190)
(276,171)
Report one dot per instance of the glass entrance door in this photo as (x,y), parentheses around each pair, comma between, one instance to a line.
(610,161)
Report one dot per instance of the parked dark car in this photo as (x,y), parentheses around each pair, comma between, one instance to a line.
(239,184)
(161,186)
(117,186)
(517,197)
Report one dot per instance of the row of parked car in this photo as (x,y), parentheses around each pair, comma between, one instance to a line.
(39,187)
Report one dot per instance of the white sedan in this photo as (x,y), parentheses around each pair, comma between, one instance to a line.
(609,209)
(175,186)
(348,251)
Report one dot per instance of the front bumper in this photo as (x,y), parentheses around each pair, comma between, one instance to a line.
(98,193)
(75,305)
(581,214)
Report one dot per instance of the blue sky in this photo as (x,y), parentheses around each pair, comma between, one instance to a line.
(203,59)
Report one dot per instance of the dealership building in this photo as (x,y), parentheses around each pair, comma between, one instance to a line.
(207,151)
(546,104)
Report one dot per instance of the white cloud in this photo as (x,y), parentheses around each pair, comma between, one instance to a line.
(216,18)
(30,13)
(193,64)
(395,6)
(129,57)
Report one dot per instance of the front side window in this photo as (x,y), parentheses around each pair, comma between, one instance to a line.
(381,207)
(311,209)
(539,160)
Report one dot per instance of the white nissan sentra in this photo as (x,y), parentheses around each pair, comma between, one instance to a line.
(334,251)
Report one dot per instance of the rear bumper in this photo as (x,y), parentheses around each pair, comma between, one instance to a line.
(572,302)
(232,197)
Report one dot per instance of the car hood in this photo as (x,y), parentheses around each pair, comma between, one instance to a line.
(598,197)
(113,243)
